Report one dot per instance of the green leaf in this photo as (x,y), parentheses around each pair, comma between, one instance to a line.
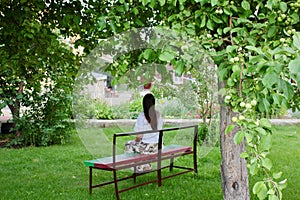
(277,99)
(120,8)
(139,22)
(253,168)
(271,192)
(229,128)
(257,50)
(216,19)
(286,88)
(76,19)
(234,8)
(145,2)
(283,6)
(266,105)
(261,16)
(260,189)
(198,13)
(147,53)
(231,48)
(266,142)
(213,2)
(162,2)
(263,122)
(222,73)
(166,56)
(102,23)
(261,130)
(244,155)
(277,175)
(236,68)
(227,11)
(282,184)
(126,6)
(270,4)
(273,197)
(294,66)
(112,26)
(248,137)
(245,5)
(239,137)
(295,18)
(203,21)
(230,82)
(296,40)
(187,13)
(272,31)
(203,2)
(210,24)
(226,30)
(267,163)
(243,20)
(270,79)
(179,67)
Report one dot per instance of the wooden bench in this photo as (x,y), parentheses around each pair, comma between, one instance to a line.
(131,160)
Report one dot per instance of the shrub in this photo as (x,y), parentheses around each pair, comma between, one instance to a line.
(163,90)
(135,107)
(172,108)
(103,111)
(84,107)
(46,124)
(121,111)
(202,132)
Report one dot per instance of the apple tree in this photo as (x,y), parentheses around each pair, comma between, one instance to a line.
(251,44)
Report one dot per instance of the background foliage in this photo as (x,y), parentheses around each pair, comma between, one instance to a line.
(255,45)
(38,67)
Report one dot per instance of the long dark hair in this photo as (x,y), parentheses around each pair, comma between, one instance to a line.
(149,110)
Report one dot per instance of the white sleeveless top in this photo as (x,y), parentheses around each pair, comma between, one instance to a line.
(143,125)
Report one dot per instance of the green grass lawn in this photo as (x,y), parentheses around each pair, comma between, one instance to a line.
(57,172)
(285,155)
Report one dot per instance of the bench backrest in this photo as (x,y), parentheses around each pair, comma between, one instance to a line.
(160,138)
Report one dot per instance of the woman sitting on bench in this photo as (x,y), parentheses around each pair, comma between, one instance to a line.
(149,119)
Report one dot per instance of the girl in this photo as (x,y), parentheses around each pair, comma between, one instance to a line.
(149,119)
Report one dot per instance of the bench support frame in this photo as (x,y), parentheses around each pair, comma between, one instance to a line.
(159,159)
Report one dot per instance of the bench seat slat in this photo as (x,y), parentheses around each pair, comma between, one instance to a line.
(127,158)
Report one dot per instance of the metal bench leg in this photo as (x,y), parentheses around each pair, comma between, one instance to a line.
(171,164)
(91,179)
(195,149)
(159,177)
(116,184)
(159,172)
(195,162)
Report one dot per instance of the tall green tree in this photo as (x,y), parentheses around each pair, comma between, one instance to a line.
(255,45)
(37,67)
(251,43)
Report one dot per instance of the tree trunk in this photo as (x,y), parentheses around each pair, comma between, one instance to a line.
(15,108)
(233,169)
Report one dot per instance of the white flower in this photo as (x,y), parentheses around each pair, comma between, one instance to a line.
(227,97)
(253,102)
(241,117)
(248,105)
(234,119)
(242,104)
